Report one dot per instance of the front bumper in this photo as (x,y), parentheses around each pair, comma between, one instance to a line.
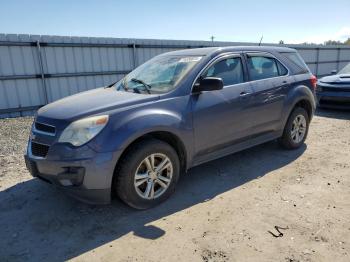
(81,172)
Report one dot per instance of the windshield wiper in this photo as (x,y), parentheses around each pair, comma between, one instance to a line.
(110,85)
(147,86)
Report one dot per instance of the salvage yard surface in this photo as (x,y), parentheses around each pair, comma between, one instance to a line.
(222,210)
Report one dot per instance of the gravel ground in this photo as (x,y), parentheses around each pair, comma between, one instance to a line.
(13,141)
(222,210)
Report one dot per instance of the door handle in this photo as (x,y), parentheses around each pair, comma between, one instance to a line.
(244,93)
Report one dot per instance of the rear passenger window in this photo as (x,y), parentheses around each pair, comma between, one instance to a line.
(262,67)
(230,70)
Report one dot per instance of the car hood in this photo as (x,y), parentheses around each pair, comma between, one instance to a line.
(336,79)
(92,102)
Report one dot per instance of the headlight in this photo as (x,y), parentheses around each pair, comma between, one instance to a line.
(83,130)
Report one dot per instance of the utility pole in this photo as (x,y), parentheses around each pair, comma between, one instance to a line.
(212,38)
(262,36)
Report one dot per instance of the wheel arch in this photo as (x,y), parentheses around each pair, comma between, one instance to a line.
(305,104)
(166,136)
(302,97)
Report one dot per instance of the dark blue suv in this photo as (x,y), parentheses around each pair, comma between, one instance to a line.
(178,110)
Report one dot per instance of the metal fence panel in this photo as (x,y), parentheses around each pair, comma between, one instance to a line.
(35,70)
(328,55)
(309,55)
(326,68)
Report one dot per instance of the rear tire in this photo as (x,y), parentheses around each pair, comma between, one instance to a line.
(296,129)
(140,179)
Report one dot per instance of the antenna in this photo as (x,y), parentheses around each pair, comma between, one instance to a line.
(262,36)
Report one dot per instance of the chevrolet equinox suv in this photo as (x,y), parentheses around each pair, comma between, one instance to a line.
(178,110)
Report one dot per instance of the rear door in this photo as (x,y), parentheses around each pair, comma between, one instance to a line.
(270,82)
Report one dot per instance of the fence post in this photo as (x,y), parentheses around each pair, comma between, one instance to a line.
(317,59)
(338,59)
(41,66)
(134,54)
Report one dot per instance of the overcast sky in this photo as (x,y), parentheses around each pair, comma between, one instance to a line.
(292,21)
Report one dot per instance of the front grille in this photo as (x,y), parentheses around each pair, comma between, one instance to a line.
(337,89)
(342,83)
(39,149)
(45,128)
(325,102)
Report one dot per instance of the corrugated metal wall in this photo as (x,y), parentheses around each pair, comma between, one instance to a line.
(35,70)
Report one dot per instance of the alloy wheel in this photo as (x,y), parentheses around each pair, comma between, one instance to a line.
(153,176)
(298,129)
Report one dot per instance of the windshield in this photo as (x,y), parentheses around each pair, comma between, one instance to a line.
(159,75)
(345,70)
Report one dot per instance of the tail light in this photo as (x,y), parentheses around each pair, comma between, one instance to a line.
(313,80)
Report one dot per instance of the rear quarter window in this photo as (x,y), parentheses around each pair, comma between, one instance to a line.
(296,59)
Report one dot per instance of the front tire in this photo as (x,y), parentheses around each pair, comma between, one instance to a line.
(147,174)
(296,129)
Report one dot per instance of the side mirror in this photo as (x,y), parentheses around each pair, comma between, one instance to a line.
(208,84)
(334,72)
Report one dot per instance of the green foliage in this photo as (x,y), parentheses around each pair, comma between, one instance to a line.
(347,42)
(332,42)
(328,42)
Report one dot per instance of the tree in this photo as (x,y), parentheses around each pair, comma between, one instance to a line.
(281,42)
(347,42)
(333,42)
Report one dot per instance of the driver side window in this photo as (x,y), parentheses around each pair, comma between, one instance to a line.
(230,70)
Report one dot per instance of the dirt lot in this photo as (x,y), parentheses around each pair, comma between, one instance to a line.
(222,211)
